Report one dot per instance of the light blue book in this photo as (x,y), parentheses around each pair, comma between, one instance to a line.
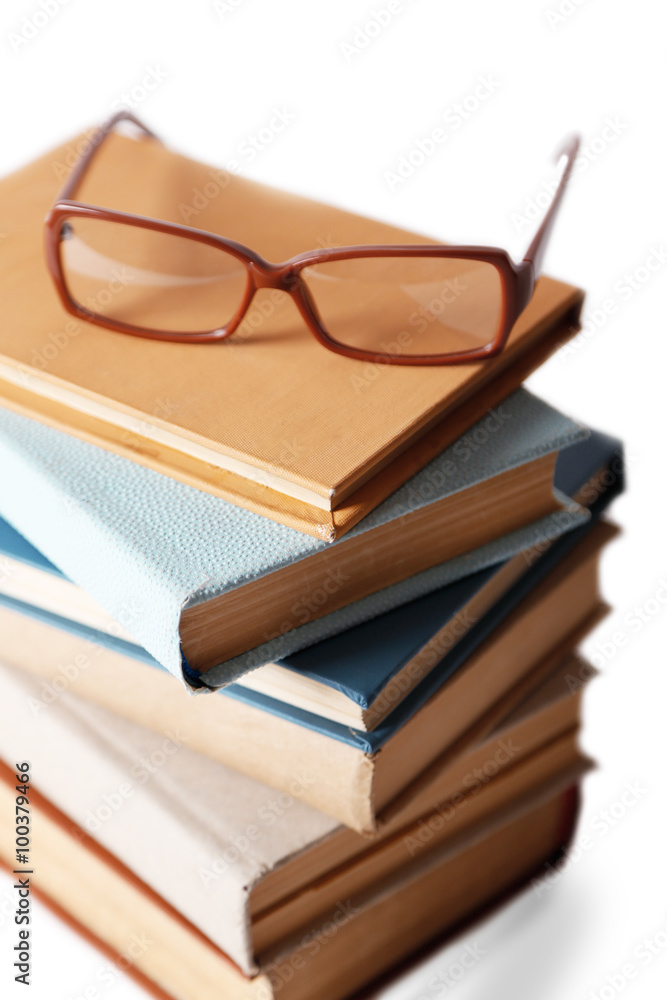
(150,549)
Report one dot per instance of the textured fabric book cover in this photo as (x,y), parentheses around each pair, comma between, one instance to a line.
(362,660)
(146,546)
(419,621)
(270,419)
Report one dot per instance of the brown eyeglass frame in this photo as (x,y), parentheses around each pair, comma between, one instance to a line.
(517,280)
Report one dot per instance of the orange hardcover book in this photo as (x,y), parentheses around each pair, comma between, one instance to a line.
(269,420)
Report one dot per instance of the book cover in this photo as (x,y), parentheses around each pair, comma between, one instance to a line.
(270,419)
(362,662)
(441,899)
(347,777)
(243,849)
(151,550)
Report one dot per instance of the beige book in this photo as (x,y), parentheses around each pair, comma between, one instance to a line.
(255,867)
(365,935)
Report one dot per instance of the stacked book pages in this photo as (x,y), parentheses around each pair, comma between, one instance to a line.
(288,642)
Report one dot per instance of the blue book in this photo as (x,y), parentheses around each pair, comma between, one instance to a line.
(213,591)
(358,777)
(376,673)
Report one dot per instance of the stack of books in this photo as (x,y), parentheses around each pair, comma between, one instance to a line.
(288,640)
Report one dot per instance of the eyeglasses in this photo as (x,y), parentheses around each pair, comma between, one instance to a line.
(401,305)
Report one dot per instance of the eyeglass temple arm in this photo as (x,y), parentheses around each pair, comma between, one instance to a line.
(75,178)
(535,252)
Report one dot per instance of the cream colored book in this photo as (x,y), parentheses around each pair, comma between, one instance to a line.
(250,869)
(358,942)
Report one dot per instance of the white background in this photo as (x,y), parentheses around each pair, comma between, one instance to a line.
(356,110)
